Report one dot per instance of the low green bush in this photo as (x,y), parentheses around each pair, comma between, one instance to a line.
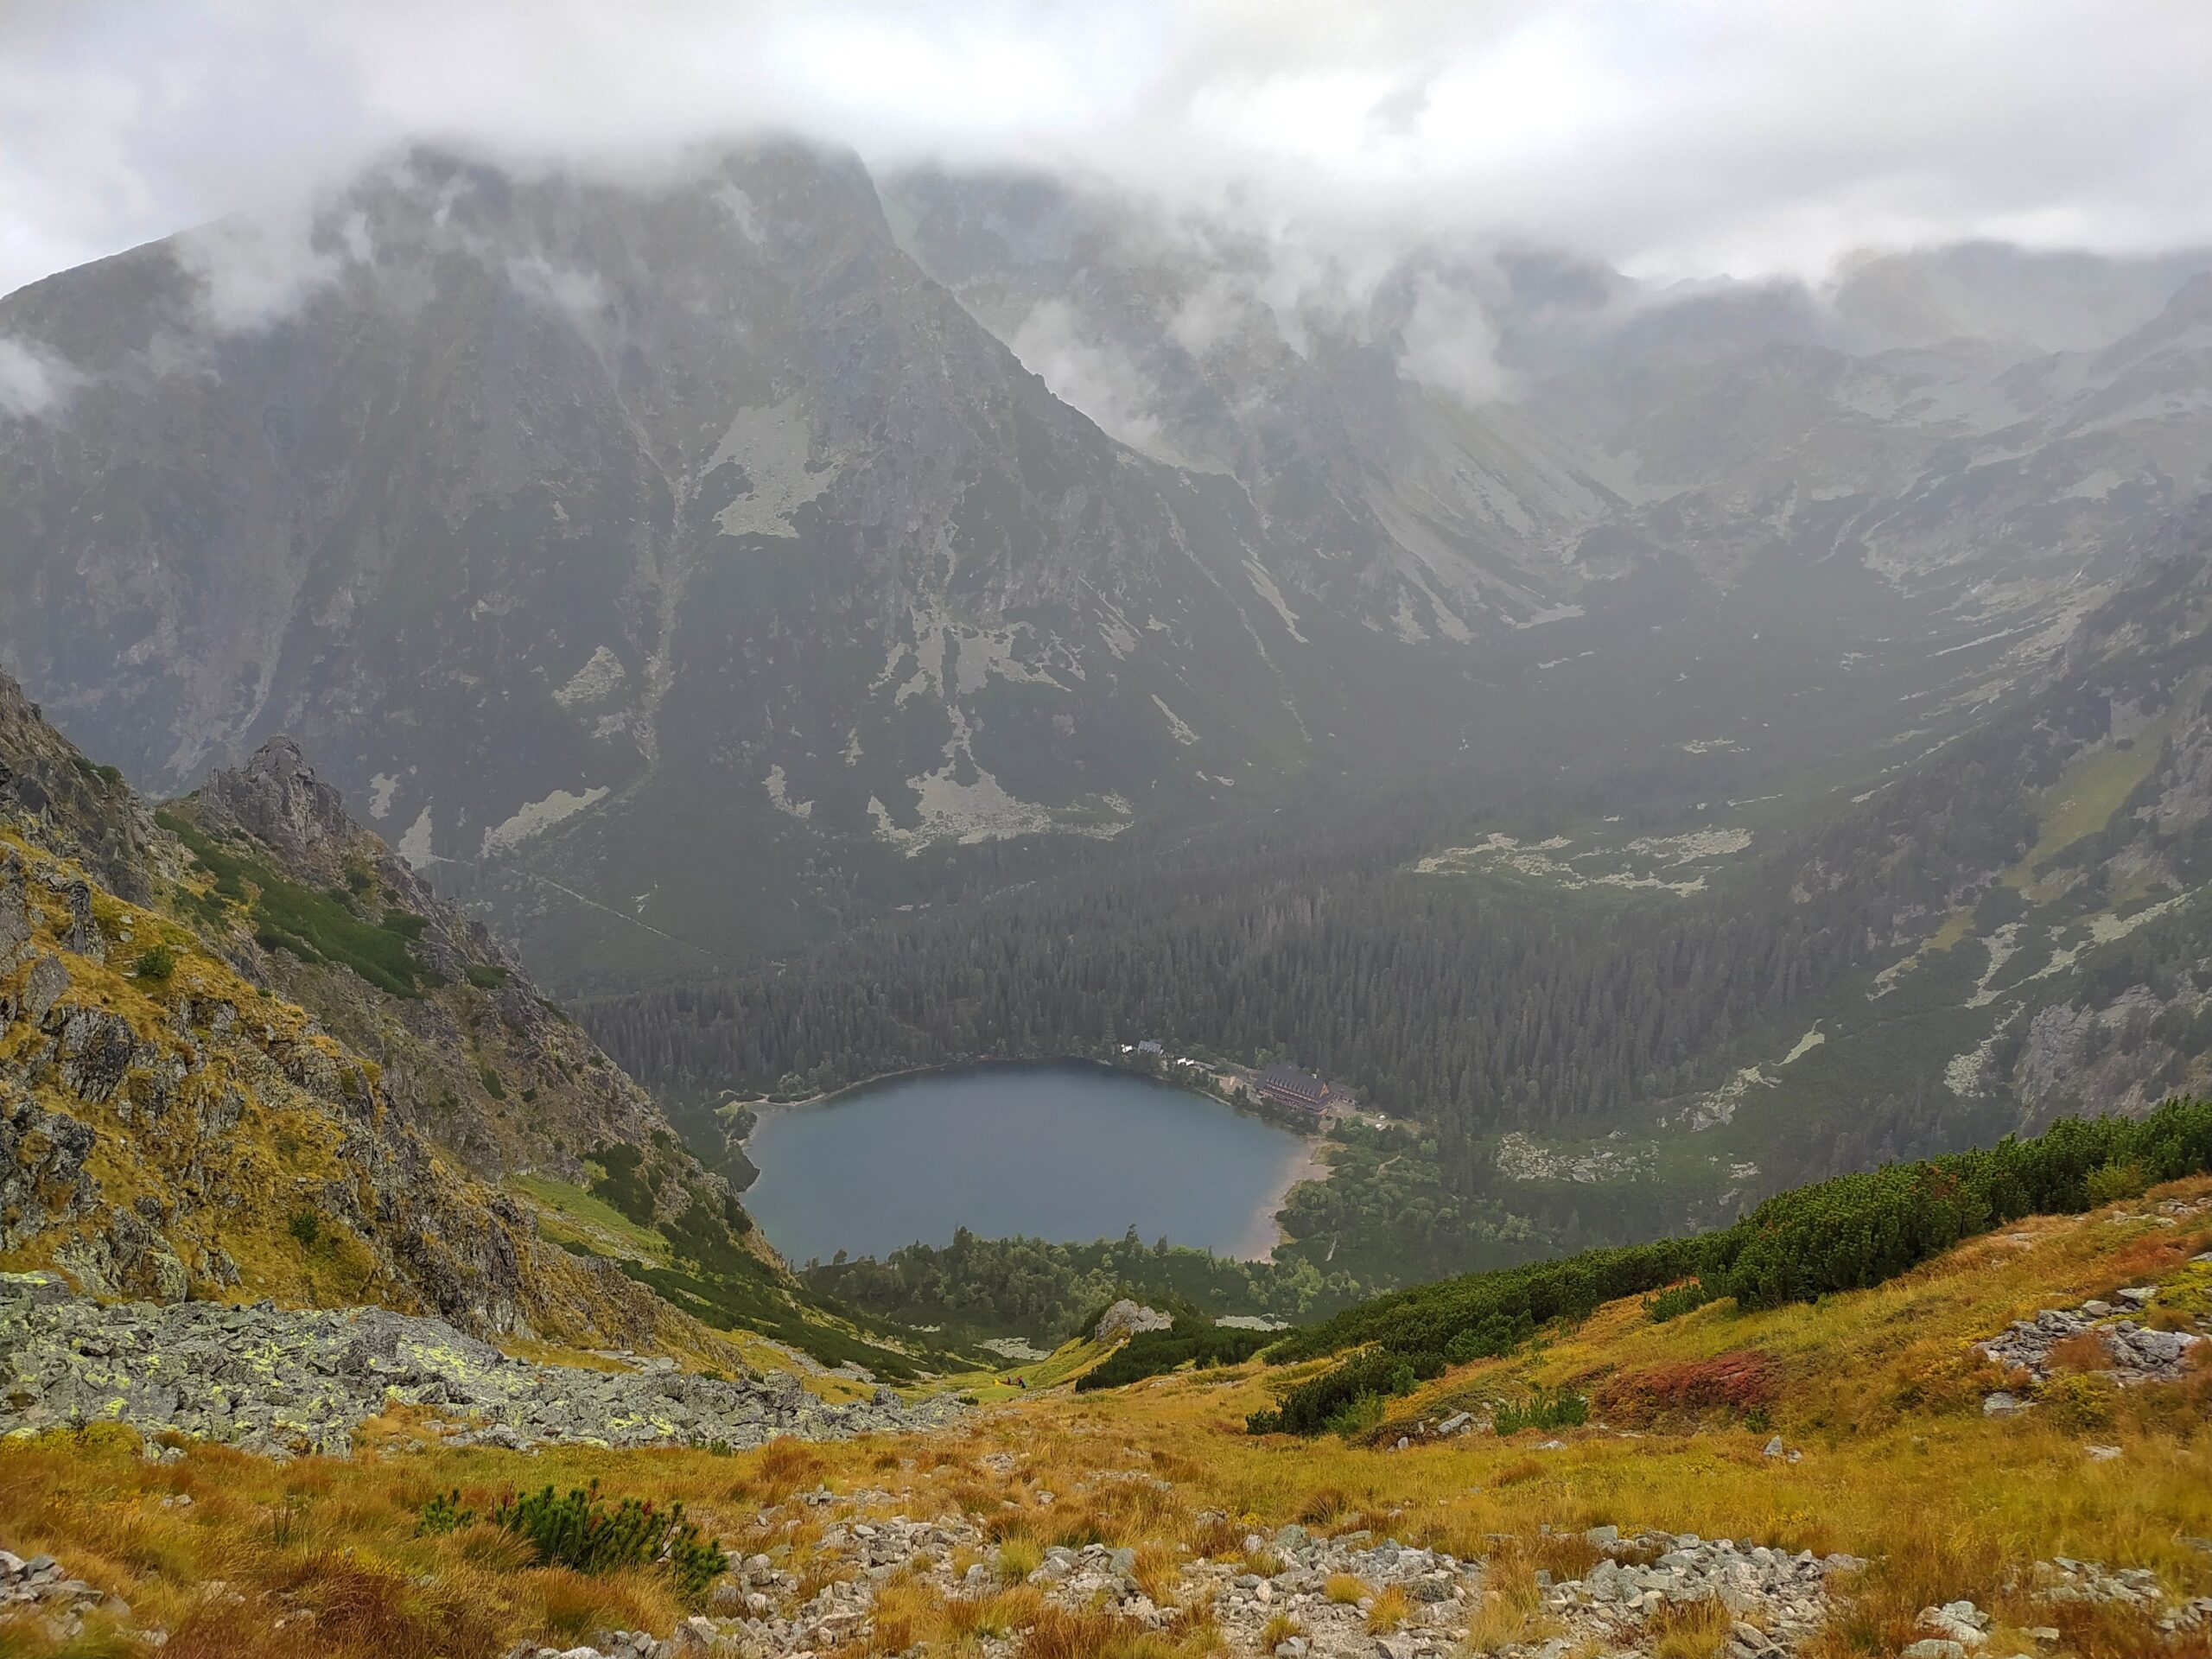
(1860,1230)
(1496,1336)
(442,1514)
(1844,1234)
(1563,1408)
(1321,1401)
(1681,1299)
(577,1530)
(1153,1353)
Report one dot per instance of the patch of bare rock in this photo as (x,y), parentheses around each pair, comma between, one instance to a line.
(282,1381)
(2138,1353)
(40,1587)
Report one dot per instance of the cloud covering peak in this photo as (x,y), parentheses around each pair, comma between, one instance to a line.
(1705,137)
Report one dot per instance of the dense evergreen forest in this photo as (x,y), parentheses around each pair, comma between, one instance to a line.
(1459,1001)
(1031,1286)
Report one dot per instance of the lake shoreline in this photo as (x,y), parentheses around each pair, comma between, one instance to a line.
(1311,1167)
(1257,1241)
(1295,1124)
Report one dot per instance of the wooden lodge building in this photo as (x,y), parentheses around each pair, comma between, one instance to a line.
(1289,1086)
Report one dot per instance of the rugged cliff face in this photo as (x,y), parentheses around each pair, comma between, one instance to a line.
(693,509)
(57,796)
(194,1100)
(167,1129)
(472,1054)
(668,561)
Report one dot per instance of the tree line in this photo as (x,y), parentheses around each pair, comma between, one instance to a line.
(1467,1002)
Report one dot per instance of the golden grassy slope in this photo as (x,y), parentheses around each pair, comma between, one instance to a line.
(1878,1389)
(255,1123)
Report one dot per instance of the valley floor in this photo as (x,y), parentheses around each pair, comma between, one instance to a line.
(1829,1479)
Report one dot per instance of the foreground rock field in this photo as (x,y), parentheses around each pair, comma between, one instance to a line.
(171,1479)
(287,1383)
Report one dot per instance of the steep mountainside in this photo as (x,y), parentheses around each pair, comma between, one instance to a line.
(1969,428)
(2060,964)
(590,530)
(168,1128)
(694,506)
(471,1054)
(285,1069)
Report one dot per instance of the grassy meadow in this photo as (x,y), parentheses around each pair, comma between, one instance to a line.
(1879,1391)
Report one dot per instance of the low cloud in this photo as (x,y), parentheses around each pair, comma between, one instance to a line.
(255,271)
(34,382)
(1705,137)
(1212,315)
(1099,381)
(579,296)
(1449,344)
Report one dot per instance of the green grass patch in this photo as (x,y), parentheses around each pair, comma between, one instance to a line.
(557,1202)
(313,926)
(756,1301)
(622,1181)
(2086,794)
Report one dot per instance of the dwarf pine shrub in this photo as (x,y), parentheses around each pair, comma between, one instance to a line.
(577,1530)
(1849,1233)
(1562,1409)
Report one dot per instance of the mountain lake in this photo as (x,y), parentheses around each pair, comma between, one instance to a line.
(1070,1152)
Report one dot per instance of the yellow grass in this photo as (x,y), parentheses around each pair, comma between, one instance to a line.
(1693,1630)
(1389,1612)
(1879,1391)
(1511,1608)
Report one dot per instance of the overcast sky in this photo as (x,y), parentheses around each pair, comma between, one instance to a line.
(1675,138)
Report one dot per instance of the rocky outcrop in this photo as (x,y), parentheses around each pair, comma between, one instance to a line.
(169,1127)
(84,811)
(277,798)
(2137,1354)
(266,1379)
(156,1133)
(2063,1579)
(41,1588)
(43,1180)
(476,1039)
(1126,1319)
(1778,1598)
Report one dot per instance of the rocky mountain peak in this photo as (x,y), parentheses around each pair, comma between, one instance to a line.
(277,798)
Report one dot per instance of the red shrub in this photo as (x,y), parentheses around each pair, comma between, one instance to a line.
(1742,1381)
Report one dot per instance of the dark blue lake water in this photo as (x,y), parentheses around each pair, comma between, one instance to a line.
(1070,1152)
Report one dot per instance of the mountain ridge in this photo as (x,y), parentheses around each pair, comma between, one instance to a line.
(578,525)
